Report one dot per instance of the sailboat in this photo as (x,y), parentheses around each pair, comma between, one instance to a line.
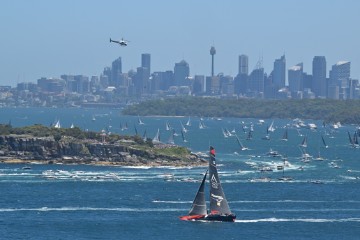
(183,136)
(171,138)
(156,139)
(188,123)
(242,147)
(183,128)
(140,122)
(145,136)
(323,141)
(271,128)
(219,208)
(304,142)
(249,136)
(284,178)
(201,124)
(167,126)
(57,124)
(267,136)
(285,135)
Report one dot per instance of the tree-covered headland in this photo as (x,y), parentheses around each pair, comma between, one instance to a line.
(344,111)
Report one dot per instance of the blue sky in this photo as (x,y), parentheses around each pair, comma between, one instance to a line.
(49,38)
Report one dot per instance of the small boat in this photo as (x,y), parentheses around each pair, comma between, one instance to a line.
(261,121)
(219,208)
(249,136)
(242,147)
(167,126)
(145,136)
(285,135)
(140,122)
(188,123)
(267,136)
(271,128)
(57,124)
(316,181)
(183,136)
(183,128)
(283,177)
(156,139)
(319,157)
(201,124)
(261,179)
(273,153)
(171,138)
(304,142)
(323,141)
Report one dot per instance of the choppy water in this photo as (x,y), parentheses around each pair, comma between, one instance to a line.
(91,202)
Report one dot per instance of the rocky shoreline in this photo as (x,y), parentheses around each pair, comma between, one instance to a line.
(24,149)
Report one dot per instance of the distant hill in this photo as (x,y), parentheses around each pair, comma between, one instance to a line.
(344,111)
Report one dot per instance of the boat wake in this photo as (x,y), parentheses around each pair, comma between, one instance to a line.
(309,220)
(74,209)
(174,202)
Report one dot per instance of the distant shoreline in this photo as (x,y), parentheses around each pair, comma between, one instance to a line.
(327,110)
(96,163)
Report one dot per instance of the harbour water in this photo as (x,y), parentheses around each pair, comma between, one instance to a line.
(321,201)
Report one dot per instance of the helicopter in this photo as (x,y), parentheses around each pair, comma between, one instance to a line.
(122,42)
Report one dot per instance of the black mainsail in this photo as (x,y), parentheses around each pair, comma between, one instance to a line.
(199,204)
(218,202)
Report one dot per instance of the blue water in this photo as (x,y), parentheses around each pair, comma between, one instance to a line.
(95,202)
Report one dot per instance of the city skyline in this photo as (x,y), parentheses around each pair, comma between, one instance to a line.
(38,41)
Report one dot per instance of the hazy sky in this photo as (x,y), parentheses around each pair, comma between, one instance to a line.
(44,38)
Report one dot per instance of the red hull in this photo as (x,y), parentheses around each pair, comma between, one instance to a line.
(210,217)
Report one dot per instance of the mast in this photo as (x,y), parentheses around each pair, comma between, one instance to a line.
(218,202)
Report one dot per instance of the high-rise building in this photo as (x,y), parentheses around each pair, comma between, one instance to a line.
(295,75)
(181,73)
(340,77)
(116,71)
(161,81)
(319,76)
(141,81)
(212,85)
(256,81)
(146,61)
(279,73)
(199,84)
(241,84)
(243,64)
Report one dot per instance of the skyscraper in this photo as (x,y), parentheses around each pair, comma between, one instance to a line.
(279,72)
(243,64)
(116,71)
(141,81)
(340,77)
(319,76)
(295,75)
(146,61)
(256,81)
(181,72)
(340,73)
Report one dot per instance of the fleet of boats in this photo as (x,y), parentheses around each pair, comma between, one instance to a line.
(271,161)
